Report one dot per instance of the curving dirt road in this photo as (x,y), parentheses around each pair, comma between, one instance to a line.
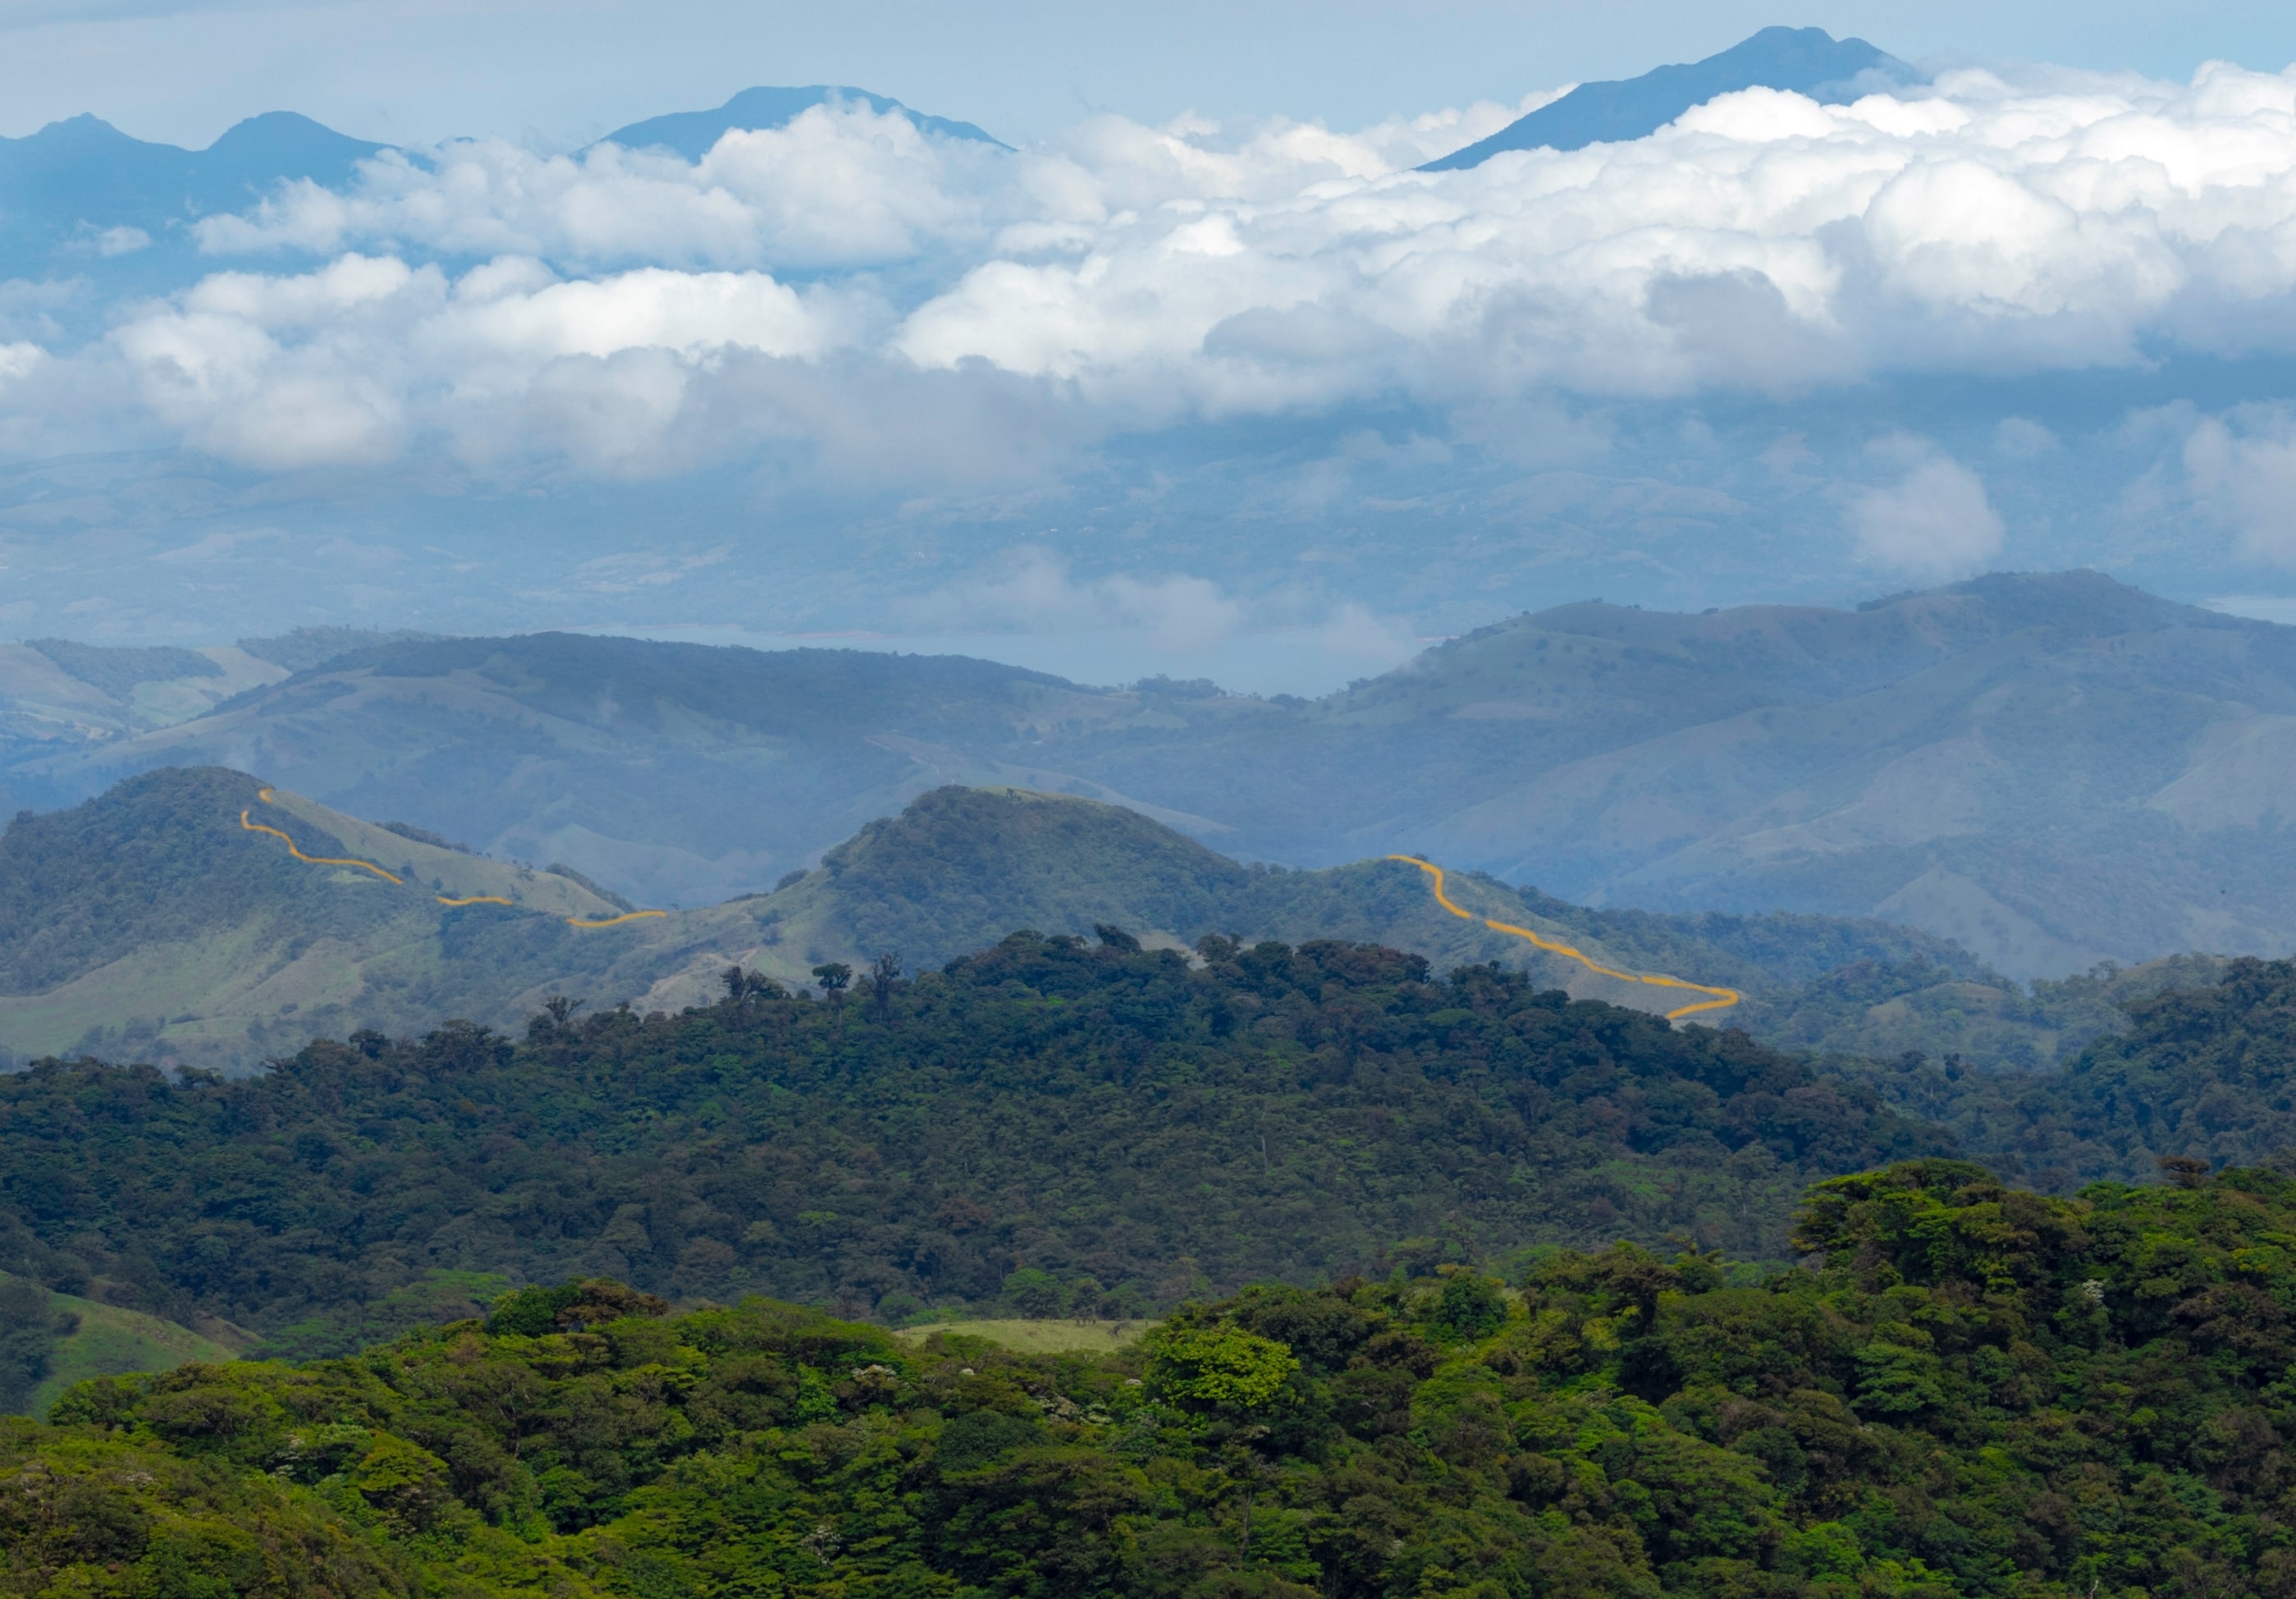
(1724,998)
(477,899)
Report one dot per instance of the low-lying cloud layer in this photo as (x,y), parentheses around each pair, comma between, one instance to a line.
(849,301)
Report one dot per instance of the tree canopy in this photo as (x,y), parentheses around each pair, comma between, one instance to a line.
(1965,1389)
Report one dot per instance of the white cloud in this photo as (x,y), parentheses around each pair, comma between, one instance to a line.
(2243,469)
(840,187)
(348,363)
(1932,523)
(1035,593)
(628,311)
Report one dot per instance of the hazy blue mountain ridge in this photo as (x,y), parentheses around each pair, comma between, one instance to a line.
(1807,60)
(2050,770)
(692,134)
(79,197)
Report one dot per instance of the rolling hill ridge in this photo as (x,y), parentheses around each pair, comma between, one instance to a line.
(198,916)
(2048,769)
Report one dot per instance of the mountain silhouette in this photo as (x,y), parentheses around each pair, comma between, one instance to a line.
(82,190)
(692,134)
(1807,60)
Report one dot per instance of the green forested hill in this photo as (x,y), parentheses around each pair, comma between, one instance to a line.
(150,923)
(2201,1073)
(1968,1391)
(959,868)
(1045,1115)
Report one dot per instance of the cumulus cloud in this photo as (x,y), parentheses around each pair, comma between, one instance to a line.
(2243,468)
(1035,593)
(620,311)
(335,364)
(1932,523)
(840,187)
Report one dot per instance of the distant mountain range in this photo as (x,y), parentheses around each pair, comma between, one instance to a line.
(81,197)
(695,134)
(2048,769)
(1807,60)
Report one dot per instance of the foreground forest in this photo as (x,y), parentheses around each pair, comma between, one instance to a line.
(1964,1389)
(1470,1289)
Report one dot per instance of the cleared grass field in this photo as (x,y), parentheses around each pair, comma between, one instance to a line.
(111,1341)
(1037,1338)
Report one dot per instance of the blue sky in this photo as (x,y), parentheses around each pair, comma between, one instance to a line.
(1201,376)
(564,72)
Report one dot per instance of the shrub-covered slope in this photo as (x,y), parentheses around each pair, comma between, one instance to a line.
(959,868)
(2203,1073)
(1081,1112)
(1975,1392)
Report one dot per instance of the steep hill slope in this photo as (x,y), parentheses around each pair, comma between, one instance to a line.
(670,773)
(2050,770)
(960,867)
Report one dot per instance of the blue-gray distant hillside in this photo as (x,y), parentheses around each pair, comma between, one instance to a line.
(67,187)
(80,198)
(691,133)
(1807,60)
(2050,768)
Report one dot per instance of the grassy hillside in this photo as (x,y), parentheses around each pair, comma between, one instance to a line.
(1033,1335)
(2049,770)
(58,697)
(960,864)
(671,774)
(88,1340)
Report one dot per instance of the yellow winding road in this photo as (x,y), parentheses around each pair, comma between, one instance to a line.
(1724,998)
(477,899)
(256,827)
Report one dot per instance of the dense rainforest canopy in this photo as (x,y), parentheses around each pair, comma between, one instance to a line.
(1964,1390)
(1107,1126)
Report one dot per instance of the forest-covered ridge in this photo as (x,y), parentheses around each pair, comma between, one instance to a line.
(1964,1390)
(1114,1122)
